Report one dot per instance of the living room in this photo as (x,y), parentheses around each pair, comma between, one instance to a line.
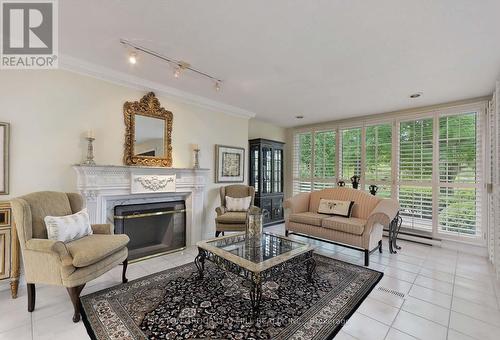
(250,170)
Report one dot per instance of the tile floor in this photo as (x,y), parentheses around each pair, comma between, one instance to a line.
(443,294)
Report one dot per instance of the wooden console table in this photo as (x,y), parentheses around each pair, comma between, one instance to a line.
(9,249)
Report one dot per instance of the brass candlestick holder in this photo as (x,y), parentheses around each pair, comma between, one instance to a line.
(196,158)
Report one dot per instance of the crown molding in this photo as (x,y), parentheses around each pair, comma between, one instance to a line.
(79,66)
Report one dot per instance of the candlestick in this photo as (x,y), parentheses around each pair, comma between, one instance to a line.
(196,150)
(90,150)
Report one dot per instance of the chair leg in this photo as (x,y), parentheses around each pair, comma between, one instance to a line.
(367,257)
(74,295)
(124,272)
(380,246)
(31,297)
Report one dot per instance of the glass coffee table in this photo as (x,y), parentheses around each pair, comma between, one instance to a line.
(257,263)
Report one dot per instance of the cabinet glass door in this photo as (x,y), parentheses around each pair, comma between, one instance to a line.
(267,166)
(278,171)
(254,167)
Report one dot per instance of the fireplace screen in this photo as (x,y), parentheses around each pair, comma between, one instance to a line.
(153,228)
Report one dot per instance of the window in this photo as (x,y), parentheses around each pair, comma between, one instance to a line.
(431,163)
(459,199)
(302,163)
(378,158)
(415,173)
(351,153)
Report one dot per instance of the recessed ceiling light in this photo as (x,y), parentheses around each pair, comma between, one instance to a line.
(299,117)
(416,95)
(132,58)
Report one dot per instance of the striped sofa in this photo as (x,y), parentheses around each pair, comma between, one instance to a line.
(363,230)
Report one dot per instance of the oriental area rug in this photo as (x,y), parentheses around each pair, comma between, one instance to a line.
(176,304)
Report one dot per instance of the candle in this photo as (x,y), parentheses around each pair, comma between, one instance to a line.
(196,147)
(90,133)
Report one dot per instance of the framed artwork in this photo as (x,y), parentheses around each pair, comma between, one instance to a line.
(4,162)
(229,164)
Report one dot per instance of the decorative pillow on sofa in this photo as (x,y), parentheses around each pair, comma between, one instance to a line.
(238,204)
(334,207)
(68,228)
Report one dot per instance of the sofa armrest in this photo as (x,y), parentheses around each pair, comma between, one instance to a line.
(51,247)
(384,213)
(298,203)
(220,210)
(105,229)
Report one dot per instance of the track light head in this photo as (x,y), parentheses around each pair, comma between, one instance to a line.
(132,58)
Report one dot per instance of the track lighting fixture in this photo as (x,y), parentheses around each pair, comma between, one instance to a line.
(179,65)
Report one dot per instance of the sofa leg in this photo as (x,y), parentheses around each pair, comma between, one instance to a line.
(217,233)
(74,295)
(31,297)
(124,272)
(367,257)
(286,233)
(380,246)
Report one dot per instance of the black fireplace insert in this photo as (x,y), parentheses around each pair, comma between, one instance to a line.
(153,228)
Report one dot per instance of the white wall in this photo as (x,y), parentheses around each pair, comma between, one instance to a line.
(50,111)
(260,129)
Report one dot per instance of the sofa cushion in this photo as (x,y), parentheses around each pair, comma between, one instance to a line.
(93,248)
(308,218)
(351,225)
(232,217)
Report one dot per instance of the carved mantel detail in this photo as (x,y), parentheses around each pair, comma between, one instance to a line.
(103,186)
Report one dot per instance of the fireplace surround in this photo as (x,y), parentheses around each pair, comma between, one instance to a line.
(106,186)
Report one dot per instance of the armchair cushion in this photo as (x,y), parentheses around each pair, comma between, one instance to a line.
(232,217)
(93,248)
(351,225)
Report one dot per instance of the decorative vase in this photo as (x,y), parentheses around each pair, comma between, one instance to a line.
(253,230)
(341,183)
(355,181)
(373,189)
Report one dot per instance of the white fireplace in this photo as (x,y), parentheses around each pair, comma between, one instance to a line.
(106,186)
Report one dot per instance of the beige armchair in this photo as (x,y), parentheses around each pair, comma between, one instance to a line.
(70,264)
(233,220)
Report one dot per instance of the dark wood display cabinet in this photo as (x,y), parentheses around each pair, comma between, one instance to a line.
(266,175)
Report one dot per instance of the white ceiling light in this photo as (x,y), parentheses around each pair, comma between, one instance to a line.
(132,58)
(179,65)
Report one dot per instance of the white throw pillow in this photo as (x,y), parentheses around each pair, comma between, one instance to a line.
(238,204)
(68,228)
(334,207)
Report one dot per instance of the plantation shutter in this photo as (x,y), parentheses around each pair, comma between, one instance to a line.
(350,161)
(302,162)
(324,159)
(415,173)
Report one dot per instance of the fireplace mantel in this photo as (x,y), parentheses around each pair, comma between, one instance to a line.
(104,186)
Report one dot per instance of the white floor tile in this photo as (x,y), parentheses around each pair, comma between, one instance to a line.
(473,327)
(18,333)
(400,274)
(431,296)
(395,334)
(440,286)
(437,275)
(454,335)
(481,312)
(427,310)
(378,310)
(476,297)
(419,327)
(363,327)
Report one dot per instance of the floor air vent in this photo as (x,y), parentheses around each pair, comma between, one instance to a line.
(391,291)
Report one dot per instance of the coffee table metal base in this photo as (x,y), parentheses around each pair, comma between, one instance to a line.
(256,279)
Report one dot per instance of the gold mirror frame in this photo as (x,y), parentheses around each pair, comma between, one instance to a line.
(148,106)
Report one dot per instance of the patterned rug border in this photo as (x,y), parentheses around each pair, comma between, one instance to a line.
(332,335)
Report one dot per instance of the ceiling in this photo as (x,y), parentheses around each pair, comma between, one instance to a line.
(324,59)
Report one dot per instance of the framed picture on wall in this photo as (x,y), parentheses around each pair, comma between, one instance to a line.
(229,164)
(4,162)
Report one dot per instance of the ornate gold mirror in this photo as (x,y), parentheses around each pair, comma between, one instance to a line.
(148,133)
